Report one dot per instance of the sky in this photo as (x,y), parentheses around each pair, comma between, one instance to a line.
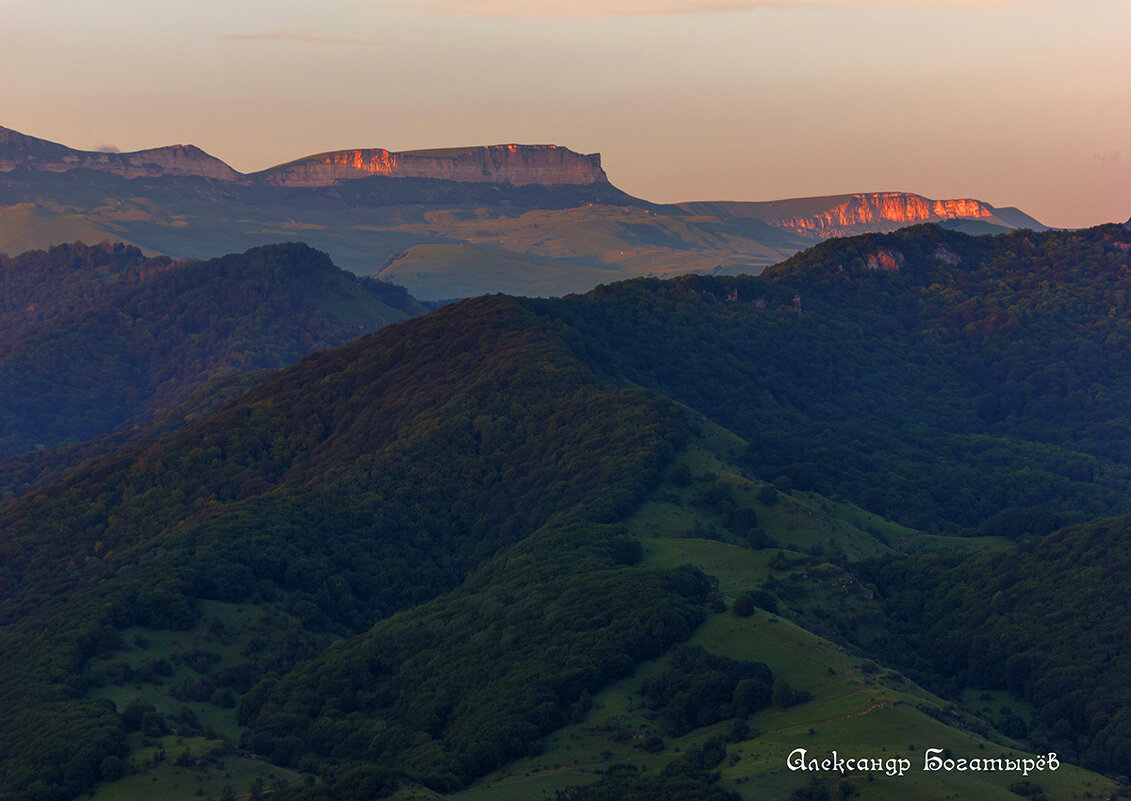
(1022,103)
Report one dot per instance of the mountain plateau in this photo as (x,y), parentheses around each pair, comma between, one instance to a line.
(518,165)
(844,215)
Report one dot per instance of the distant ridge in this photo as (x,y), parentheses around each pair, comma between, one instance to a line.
(18,151)
(519,165)
(528,219)
(843,215)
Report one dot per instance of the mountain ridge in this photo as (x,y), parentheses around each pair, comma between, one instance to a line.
(527,219)
(96,338)
(825,216)
(19,150)
(516,164)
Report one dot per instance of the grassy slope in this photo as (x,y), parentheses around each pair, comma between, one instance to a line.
(856,709)
(28,226)
(170,780)
(230,631)
(364,224)
(436,272)
(493,354)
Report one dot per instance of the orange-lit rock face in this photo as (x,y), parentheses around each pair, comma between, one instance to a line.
(379,162)
(887,260)
(889,207)
(513,164)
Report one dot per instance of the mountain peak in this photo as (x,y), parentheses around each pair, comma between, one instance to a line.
(515,164)
(20,151)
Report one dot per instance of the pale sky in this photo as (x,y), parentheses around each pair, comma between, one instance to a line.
(1021,103)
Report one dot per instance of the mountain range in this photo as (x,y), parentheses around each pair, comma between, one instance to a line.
(641,543)
(458,222)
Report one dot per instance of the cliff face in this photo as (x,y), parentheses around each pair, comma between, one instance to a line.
(886,207)
(519,165)
(20,151)
(841,215)
(176,160)
(514,164)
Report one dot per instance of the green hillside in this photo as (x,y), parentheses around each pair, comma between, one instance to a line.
(422,454)
(1040,625)
(978,376)
(465,270)
(642,543)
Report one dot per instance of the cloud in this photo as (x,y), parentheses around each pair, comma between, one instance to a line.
(108,149)
(300,37)
(557,9)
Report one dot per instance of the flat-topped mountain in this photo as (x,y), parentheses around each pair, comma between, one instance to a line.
(519,165)
(840,215)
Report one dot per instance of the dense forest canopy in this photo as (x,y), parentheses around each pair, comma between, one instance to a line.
(96,337)
(421,454)
(434,520)
(1042,624)
(930,376)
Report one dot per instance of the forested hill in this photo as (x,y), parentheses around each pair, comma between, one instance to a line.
(463,448)
(97,337)
(933,377)
(414,557)
(1049,625)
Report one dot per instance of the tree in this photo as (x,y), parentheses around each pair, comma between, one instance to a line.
(749,696)
(743,605)
(111,769)
(783,696)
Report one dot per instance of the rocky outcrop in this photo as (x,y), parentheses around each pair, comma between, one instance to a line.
(20,151)
(512,164)
(840,215)
(885,207)
(889,261)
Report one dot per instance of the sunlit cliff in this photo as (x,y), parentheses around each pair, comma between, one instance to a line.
(514,164)
(895,207)
(840,215)
(518,165)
